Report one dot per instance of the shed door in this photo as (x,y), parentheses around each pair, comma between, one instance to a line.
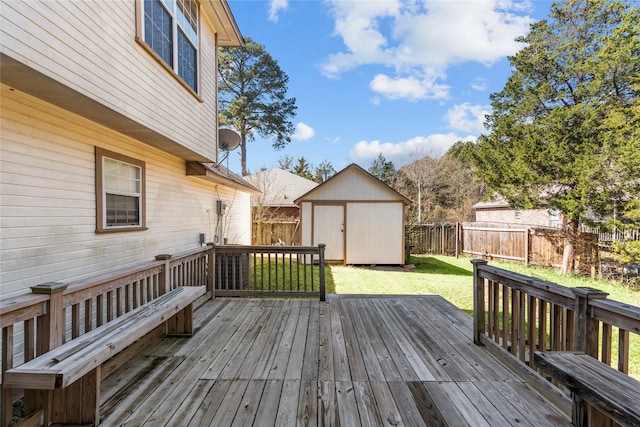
(328,228)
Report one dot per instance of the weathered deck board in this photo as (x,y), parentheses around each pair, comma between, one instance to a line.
(352,361)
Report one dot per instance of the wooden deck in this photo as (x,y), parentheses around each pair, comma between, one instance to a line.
(349,361)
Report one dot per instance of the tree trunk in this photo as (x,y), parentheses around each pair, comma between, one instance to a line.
(243,154)
(570,244)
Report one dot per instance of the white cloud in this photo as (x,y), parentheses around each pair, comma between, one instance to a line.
(275,6)
(467,118)
(411,88)
(420,40)
(364,152)
(303,132)
(480,84)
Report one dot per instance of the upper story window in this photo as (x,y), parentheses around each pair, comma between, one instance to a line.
(171,31)
(517,214)
(119,192)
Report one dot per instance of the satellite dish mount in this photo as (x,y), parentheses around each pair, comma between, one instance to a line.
(228,140)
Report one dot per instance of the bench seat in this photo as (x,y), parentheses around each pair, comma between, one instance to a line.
(611,392)
(69,362)
(64,383)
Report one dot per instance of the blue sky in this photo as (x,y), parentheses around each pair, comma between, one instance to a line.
(403,78)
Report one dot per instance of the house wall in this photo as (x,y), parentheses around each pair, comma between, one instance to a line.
(508,215)
(47,194)
(90,47)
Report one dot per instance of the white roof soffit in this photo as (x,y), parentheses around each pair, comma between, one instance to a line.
(221,17)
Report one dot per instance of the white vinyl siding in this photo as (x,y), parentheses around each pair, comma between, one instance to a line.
(47,188)
(92,50)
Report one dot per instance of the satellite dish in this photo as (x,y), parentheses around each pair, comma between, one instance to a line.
(228,140)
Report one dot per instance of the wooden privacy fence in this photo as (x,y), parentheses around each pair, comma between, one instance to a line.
(521,315)
(276,233)
(528,245)
(269,270)
(442,239)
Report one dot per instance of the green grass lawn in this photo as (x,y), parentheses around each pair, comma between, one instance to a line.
(453,279)
(438,275)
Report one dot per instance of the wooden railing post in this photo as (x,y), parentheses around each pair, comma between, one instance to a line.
(6,394)
(321,247)
(586,327)
(211,270)
(50,333)
(50,326)
(164,280)
(478,302)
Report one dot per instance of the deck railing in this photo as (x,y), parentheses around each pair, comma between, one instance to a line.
(34,322)
(52,313)
(269,270)
(522,315)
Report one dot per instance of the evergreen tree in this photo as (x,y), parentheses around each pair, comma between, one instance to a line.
(552,135)
(324,172)
(303,168)
(383,170)
(253,96)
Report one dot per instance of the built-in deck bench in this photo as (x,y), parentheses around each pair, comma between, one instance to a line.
(615,395)
(68,376)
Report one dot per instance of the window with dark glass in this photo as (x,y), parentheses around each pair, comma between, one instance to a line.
(171,30)
(119,192)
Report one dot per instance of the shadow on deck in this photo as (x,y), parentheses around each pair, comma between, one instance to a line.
(350,361)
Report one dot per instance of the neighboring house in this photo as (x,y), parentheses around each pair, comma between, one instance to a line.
(276,218)
(498,211)
(109,136)
(359,218)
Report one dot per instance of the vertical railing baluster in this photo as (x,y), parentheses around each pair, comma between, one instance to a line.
(531,334)
(623,351)
(505,317)
(321,248)
(99,310)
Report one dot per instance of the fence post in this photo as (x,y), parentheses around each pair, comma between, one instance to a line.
(321,247)
(211,270)
(164,281)
(527,243)
(586,327)
(478,302)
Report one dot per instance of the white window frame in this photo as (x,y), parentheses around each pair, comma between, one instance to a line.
(102,190)
(193,35)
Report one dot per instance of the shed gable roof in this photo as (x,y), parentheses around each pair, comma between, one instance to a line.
(341,186)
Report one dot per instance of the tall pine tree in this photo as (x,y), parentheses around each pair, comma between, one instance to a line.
(253,96)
